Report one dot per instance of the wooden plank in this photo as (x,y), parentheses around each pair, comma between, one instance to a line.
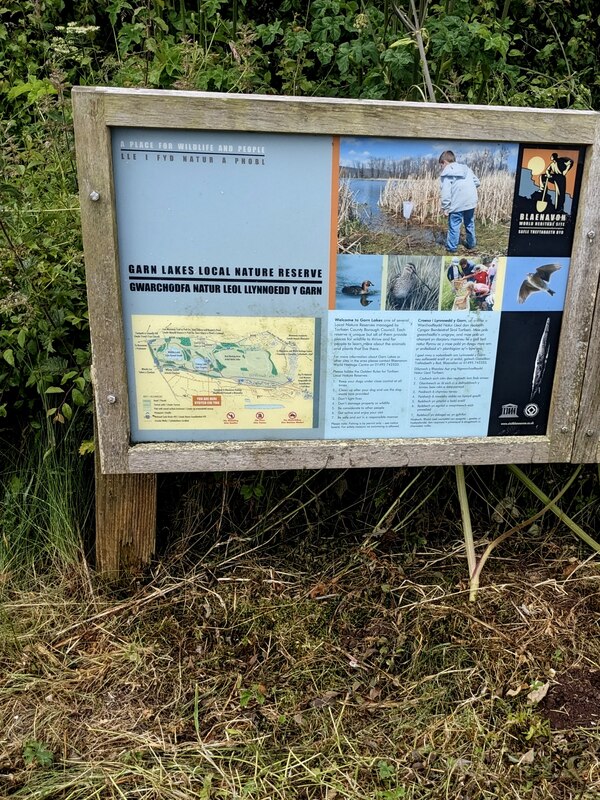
(216,456)
(211,111)
(586,447)
(575,400)
(579,309)
(92,140)
(125,522)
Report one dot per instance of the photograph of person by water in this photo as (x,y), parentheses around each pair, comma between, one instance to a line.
(423,196)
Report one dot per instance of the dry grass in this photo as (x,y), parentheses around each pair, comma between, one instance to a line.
(494,204)
(286,648)
(347,205)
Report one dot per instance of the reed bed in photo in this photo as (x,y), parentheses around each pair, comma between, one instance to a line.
(347,205)
(494,206)
(349,239)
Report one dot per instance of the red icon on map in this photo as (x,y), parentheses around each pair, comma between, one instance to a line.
(230,415)
(292,415)
(260,415)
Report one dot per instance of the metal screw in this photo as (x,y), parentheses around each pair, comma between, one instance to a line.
(111,398)
(564,429)
(589,433)
(95,196)
(591,235)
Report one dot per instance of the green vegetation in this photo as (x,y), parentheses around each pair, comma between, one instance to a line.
(284,649)
(305,635)
(510,52)
(430,239)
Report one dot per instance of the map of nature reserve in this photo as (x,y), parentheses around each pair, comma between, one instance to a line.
(214,373)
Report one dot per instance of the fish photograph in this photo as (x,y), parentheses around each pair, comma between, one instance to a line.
(524,373)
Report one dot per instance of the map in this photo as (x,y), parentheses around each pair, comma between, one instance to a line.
(214,373)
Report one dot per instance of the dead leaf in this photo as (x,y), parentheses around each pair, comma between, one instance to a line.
(536,695)
(515,692)
(527,758)
(324,700)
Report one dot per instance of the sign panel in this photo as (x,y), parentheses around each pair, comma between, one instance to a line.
(280,286)
(305,282)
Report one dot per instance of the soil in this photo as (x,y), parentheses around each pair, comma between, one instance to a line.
(574,701)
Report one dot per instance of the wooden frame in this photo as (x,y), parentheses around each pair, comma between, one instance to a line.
(96,110)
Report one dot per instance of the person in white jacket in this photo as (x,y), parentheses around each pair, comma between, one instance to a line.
(459,199)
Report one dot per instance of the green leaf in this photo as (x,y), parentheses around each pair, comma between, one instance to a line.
(67,376)
(385,770)
(54,390)
(37,753)
(11,191)
(9,357)
(78,397)
(67,411)
(86,447)
(403,42)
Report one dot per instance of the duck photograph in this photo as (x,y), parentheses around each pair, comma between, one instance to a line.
(358,282)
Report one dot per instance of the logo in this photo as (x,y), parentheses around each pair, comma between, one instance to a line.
(531,410)
(260,415)
(510,411)
(292,415)
(230,415)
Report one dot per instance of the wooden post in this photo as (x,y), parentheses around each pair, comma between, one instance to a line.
(125,522)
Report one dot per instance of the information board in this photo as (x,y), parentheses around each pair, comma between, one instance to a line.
(281,286)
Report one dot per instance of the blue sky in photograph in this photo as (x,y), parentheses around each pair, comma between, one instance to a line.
(356,149)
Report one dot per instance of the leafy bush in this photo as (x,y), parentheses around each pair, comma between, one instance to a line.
(44,339)
(510,51)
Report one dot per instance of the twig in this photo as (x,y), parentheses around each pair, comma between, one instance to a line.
(504,536)
(415,27)
(577,530)
(467,528)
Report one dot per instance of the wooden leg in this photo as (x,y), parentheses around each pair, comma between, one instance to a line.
(125,522)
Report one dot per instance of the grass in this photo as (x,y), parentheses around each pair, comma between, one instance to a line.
(359,238)
(317,657)
(494,203)
(45,503)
